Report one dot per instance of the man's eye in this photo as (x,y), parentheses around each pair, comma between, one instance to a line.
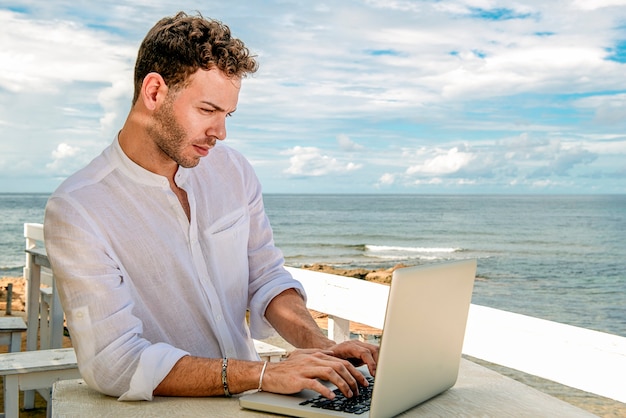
(228,115)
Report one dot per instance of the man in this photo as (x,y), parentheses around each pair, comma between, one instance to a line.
(161,244)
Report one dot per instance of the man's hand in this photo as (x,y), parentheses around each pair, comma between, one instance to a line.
(302,369)
(318,357)
(357,353)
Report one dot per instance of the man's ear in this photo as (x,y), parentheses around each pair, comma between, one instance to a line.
(153,90)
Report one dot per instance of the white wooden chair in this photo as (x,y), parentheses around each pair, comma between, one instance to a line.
(34,370)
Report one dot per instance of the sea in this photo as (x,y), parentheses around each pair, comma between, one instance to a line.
(556,257)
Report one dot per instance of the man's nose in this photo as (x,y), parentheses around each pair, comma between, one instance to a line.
(218,129)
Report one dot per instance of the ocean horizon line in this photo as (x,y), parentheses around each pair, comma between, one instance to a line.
(430,193)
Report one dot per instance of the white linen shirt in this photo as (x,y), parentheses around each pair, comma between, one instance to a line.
(143,286)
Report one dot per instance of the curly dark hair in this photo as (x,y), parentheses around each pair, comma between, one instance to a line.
(178,46)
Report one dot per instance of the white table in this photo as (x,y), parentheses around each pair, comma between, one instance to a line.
(478,392)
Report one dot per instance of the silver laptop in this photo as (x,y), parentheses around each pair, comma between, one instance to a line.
(420,349)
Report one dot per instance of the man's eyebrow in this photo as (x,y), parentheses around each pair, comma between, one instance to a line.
(216,107)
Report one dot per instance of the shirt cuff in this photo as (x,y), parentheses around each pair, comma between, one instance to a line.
(154,364)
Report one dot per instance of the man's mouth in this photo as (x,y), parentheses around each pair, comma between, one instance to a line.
(203,150)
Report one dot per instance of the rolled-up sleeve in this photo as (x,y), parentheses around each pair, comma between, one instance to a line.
(155,363)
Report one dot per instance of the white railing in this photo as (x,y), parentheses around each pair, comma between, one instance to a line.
(580,358)
(577,357)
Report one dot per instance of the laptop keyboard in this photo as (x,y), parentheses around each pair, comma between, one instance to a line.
(355,405)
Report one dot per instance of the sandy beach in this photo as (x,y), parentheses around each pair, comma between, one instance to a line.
(598,405)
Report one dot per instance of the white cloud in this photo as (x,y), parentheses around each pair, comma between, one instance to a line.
(435,181)
(609,109)
(43,55)
(443,163)
(346,144)
(385,181)
(64,151)
(311,161)
(66,159)
(597,4)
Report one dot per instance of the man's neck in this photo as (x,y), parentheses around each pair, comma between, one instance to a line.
(137,146)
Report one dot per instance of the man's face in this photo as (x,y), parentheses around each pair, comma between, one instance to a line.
(191,120)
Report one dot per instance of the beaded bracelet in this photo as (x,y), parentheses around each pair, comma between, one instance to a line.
(261,378)
(224,380)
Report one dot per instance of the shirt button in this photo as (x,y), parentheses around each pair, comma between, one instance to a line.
(79,315)
(218,317)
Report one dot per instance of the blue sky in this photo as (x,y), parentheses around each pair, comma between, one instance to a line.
(370,96)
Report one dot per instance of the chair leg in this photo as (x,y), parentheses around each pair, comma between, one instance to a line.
(49,406)
(29,399)
(11,396)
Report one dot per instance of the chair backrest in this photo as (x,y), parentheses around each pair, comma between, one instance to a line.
(33,233)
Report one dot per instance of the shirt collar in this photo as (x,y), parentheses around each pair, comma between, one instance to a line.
(140,174)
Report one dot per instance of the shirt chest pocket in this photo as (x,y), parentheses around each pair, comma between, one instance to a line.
(227,244)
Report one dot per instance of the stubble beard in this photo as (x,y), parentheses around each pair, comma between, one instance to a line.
(169,135)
